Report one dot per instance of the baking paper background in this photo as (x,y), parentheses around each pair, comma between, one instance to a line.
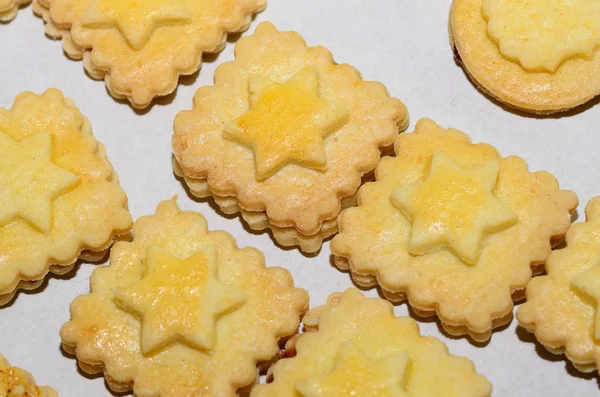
(405,45)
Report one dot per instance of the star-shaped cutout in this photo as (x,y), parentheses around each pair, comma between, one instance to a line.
(135,19)
(29,181)
(286,123)
(453,208)
(355,374)
(588,282)
(179,300)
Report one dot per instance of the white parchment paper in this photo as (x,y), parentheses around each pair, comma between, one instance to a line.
(403,44)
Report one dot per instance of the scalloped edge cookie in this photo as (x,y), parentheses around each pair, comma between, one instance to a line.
(258,221)
(351,318)
(121,219)
(267,203)
(557,325)
(353,252)
(96,344)
(122,89)
(576,82)
(9,9)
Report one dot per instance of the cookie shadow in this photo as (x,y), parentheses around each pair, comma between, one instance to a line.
(215,207)
(89,376)
(518,112)
(575,216)
(165,100)
(541,351)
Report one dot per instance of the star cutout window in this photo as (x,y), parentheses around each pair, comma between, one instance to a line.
(135,19)
(588,283)
(179,300)
(30,181)
(355,374)
(454,208)
(286,123)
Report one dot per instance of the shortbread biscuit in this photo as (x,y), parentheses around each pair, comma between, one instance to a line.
(540,56)
(562,307)
(182,311)
(9,8)
(453,227)
(141,49)
(60,199)
(355,346)
(284,136)
(15,382)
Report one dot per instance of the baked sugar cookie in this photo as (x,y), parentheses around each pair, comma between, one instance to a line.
(9,8)
(453,227)
(141,48)
(15,382)
(284,136)
(181,311)
(355,346)
(540,56)
(562,307)
(60,199)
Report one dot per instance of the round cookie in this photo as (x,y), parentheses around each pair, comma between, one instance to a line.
(537,56)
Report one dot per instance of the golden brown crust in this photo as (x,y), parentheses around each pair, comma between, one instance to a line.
(574,83)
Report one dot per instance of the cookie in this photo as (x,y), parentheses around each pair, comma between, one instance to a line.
(355,346)
(15,382)
(453,227)
(539,56)
(182,311)
(562,307)
(60,199)
(9,8)
(140,49)
(284,136)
